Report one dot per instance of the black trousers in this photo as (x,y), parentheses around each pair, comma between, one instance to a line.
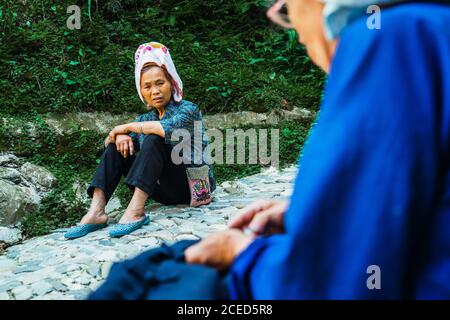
(150,169)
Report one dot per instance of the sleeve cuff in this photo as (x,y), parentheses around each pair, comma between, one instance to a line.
(239,281)
(167,131)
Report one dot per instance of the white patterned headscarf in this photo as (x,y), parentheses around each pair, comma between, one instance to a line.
(339,13)
(158,54)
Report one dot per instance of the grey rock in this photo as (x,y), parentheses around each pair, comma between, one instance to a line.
(12,253)
(65,268)
(95,285)
(22,187)
(41,287)
(32,277)
(186,237)
(7,264)
(113,205)
(184,215)
(202,233)
(147,242)
(57,260)
(107,243)
(164,235)
(213,219)
(9,160)
(80,294)
(58,286)
(235,187)
(128,251)
(109,255)
(11,175)
(79,189)
(105,268)
(195,210)
(242,118)
(22,293)
(114,216)
(87,251)
(38,175)
(4,296)
(82,259)
(60,230)
(140,232)
(54,295)
(28,268)
(84,280)
(173,230)
(15,202)
(52,268)
(217,227)
(101,122)
(43,249)
(218,206)
(11,284)
(165,222)
(151,227)
(94,270)
(122,240)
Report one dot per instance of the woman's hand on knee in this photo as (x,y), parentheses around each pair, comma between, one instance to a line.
(124,145)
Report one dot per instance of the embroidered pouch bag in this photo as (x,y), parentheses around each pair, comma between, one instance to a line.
(199,185)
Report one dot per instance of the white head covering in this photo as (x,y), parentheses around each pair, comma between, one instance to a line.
(339,13)
(159,55)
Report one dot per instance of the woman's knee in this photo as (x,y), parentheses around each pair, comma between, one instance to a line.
(111,149)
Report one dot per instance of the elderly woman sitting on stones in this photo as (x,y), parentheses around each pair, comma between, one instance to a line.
(142,150)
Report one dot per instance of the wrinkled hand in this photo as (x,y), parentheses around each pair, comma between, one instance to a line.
(122,129)
(262,217)
(218,250)
(124,145)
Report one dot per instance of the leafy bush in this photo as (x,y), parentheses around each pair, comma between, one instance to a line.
(227,53)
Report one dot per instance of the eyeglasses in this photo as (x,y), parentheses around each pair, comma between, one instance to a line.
(275,14)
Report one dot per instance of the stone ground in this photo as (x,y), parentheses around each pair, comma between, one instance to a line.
(52,268)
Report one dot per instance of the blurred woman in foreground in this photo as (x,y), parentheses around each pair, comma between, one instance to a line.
(370,214)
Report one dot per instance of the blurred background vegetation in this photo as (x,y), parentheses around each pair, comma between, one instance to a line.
(229,56)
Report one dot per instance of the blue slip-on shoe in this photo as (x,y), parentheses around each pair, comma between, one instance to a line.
(83,229)
(121,229)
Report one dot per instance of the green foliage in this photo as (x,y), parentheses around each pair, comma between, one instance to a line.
(227,53)
(59,209)
(292,136)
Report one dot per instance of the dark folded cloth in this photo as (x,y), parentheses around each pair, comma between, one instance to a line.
(162,273)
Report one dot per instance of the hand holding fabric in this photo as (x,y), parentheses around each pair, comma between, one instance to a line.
(218,250)
(262,217)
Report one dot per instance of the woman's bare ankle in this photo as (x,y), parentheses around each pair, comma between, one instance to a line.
(95,216)
(131,215)
(96,211)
